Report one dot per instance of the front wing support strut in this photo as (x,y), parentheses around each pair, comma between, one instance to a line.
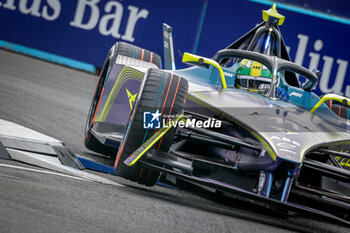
(134,157)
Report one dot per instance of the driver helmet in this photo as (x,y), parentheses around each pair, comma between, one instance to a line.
(252,75)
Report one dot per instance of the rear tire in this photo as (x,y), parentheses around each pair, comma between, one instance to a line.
(159,91)
(119,48)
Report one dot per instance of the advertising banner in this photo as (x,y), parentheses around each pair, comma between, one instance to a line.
(84,30)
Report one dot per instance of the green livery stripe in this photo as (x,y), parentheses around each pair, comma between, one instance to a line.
(244,70)
(126,74)
(266,73)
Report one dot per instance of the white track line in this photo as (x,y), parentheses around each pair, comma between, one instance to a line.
(54,164)
(42,171)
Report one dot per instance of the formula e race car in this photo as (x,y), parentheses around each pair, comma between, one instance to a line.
(239,123)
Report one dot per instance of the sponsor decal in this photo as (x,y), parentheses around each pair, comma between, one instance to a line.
(152,120)
(344,162)
(49,11)
(89,14)
(192,123)
(286,145)
(262,153)
(296,94)
(326,79)
(262,179)
(228,74)
(131,98)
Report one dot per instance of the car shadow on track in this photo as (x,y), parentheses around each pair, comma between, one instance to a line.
(203,200)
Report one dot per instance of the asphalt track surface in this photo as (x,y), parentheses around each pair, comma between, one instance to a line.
(54,100)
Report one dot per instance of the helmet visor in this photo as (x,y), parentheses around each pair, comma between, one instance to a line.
(251,82)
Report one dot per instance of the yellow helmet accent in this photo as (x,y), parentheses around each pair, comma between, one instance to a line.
(256,69)
(244,62)
(272,12)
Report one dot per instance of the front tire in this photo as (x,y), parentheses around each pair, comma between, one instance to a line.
(160,91)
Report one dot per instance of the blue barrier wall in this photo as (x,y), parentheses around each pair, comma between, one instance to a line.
(82,31)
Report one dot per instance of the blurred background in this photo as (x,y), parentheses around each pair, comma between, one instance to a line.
(79,33)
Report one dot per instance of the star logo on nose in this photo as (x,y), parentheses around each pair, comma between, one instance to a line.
(155,115)
(131,97)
